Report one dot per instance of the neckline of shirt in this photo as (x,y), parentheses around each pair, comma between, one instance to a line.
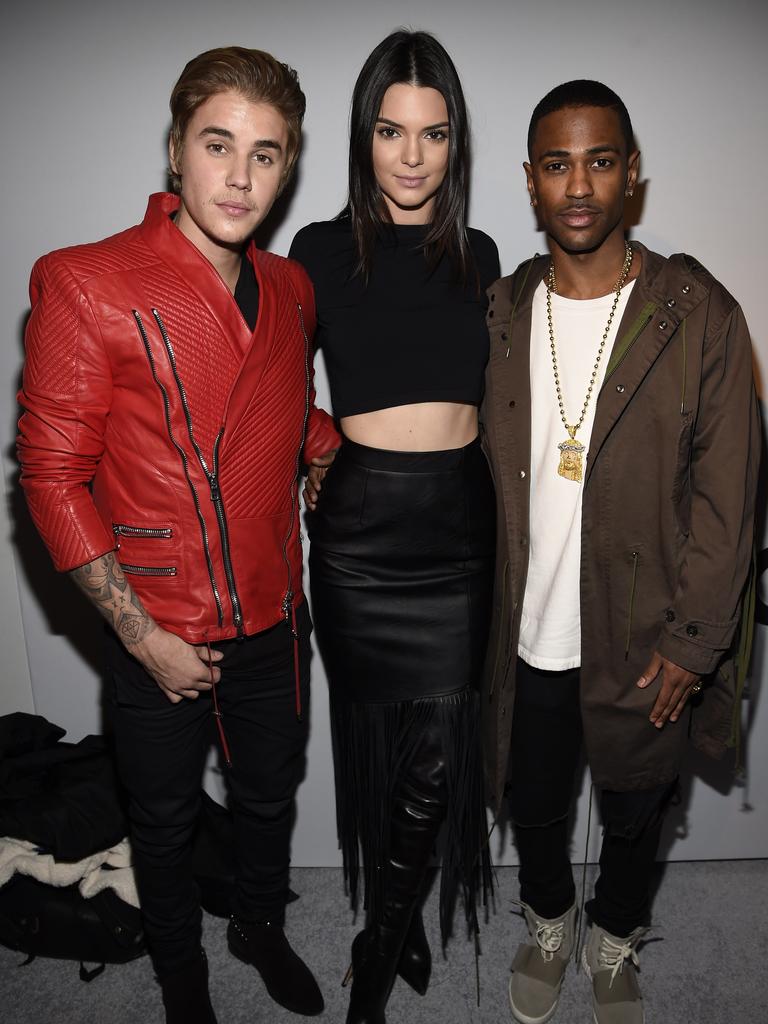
(582,305)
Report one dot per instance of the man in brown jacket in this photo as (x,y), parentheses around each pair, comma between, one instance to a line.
(622,429)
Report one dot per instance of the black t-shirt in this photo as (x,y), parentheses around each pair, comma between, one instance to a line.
(412,334)
(247,293)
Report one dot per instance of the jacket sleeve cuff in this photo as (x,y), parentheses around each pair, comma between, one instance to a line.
(693,657)
(322,435)
(73,531)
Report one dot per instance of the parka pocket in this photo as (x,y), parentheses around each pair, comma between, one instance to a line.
(634,556)
(681,485)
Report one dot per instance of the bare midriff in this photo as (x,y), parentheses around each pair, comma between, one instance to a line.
(423,427)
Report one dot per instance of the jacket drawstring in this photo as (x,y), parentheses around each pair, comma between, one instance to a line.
(216,712)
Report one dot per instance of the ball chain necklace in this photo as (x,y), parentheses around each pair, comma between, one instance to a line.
(571,450)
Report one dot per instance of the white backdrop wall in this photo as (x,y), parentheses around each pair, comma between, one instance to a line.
(84,88)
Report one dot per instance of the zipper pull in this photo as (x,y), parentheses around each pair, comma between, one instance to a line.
(214,485)
(287,607)
(116,531)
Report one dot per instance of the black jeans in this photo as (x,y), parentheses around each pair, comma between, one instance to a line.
(544,759)
(161,750)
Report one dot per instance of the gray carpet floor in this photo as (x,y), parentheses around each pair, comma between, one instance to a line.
(705,962)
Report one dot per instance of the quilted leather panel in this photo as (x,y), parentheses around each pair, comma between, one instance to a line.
(269,434)
(114,255)
(207,363)
(73,533)
(52,331)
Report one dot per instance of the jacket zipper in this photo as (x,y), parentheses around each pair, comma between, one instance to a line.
(631,609)
(218,504)
(211,476)
(148,570)
(161,532)
(185,463)
(288,610)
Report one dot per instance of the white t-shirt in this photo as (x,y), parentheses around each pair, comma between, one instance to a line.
(550,627)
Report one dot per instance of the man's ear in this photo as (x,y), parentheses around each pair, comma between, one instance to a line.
(633,169)
(529,182)
(173,157)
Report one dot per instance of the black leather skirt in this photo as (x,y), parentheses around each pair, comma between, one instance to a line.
(401,575)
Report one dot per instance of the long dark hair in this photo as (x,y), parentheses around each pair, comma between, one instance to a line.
(410,58)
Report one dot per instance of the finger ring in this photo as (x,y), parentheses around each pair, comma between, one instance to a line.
(696,688)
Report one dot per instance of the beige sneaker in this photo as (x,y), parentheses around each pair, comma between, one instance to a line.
(539,966)
(611,962)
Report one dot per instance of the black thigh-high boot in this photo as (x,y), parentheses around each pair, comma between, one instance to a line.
(415,963)
(418,811)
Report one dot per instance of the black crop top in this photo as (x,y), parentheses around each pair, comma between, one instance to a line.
(411,335)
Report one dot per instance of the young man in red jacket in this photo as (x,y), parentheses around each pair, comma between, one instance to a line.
(168,407)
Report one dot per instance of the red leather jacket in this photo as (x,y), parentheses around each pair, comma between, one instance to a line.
(157,425)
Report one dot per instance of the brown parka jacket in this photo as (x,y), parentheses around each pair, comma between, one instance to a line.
(667,518)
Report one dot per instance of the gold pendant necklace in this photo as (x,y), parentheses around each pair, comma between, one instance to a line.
(571,450)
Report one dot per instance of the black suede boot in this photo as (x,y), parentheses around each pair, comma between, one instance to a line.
(185,994)
(418,811)
(287,978)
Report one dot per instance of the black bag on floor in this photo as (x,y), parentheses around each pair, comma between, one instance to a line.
(44,920)
(63,797)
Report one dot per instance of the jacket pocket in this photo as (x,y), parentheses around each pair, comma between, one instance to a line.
(147,570)
(144,532)
(138,550)
(681,485)
(634,556)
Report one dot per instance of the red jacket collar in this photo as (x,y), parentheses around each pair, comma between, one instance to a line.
(175,249)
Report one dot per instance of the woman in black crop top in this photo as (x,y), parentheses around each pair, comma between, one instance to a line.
(401,562)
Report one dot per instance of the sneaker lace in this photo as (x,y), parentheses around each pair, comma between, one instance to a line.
(549,938)
(615,954)
(549,935)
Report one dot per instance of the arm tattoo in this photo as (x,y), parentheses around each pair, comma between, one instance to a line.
(104,583)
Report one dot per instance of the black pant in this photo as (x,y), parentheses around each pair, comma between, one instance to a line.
(546,742)
(161,751)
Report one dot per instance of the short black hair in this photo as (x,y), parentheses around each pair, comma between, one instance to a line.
(582,92)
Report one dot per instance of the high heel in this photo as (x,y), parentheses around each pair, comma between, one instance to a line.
(417,813)
(415,963)
(374,967)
